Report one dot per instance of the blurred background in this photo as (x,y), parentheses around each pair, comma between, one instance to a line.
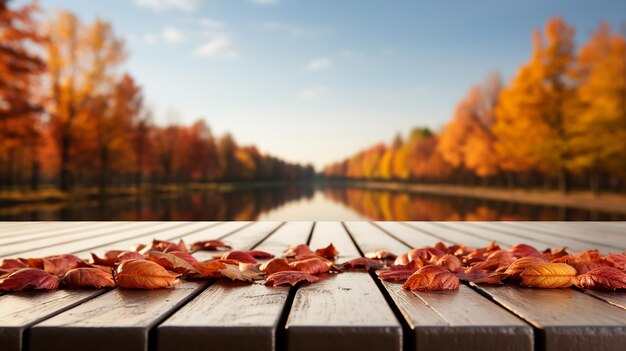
(312,110)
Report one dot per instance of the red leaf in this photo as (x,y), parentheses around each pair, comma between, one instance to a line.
(170,262)
(495,278)
(59,265)
(209,245)
(329,251)
(109,259)
(275,265)
(381,255)
(517,267)
(617,261)
(12,263)
(432,278)
(259,254)
(143,274)
(523,250)
(29,278)
(289,277)
(298,250)
(311,266)
(240,256)
(163,245)
(363,262)
(607,278)
(449,261)
(395,276)
(88,278)
(185,256)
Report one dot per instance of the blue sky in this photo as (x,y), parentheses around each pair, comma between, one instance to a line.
(315,81)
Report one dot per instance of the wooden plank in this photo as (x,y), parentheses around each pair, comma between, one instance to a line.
(599,228)
(590,239)
(564,318)
(53,244)
(343,311)
(233,315)
(447,320)
(449,235)
(120,319)
(61,232)
(35,227)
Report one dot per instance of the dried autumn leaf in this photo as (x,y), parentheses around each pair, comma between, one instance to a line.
(143,274)
(607,278)
(549,275)
(12,263)
(363,262)
(586,266)
(240,272)
(240,256)
(425,253)
(494,278)
(29,278)
(109,259)
(381,255)
(298,250)
(170,262)
(163,245)
(88,278)
(395,276)
(60,264)
(129,255)
(311,266)
(328,251)
(210,269)
(259,254)
(552,254)
(523,250)
(185,256)
(275,265)
(449,261)
(432,278)
(617,261)
(289,277)
(517,267)
(209,245)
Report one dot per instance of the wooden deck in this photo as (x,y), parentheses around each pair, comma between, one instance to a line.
(347,311)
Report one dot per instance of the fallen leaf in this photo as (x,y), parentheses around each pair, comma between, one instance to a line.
(449,261)
(275,265)
(171,262)
(210,269)
(617,261)
(523,250)
(240,256)
(381,255)
(362,262)
(259,254)
(518,266)
(209,245)
(494,278)
(185,256)
(607,278)
(143,274)
(12,263)
(88,278)
(29,278)
(432,278)
(61,264)
(109,259)
(549,275)
(329,251)
(298,250)
(311,266)
(586,266)
(239,272)
(289,277)
(395,276)
(163,245)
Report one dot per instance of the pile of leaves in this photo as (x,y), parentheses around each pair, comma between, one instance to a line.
(441,267)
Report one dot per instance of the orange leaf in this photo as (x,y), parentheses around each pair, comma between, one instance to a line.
(12,263)
(170,262)
(617,261)
(209,245)
(432,278)
(549,275)
(143,274)
(329,251)
(289,277)
(275,265)
(381,255)
(363,262)
(29,278)
(517,267)
(240,256)
(88,278)
(259,254)
(395,276)
(298,250)
(523,250)
(311,266)
(210,269)
(608,278)
(244,271)
(449,261)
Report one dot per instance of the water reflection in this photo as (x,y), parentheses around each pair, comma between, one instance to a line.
(306,201)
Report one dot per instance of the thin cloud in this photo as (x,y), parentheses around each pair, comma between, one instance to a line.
(314,92)
(264,2)
(211,23)
(150,38)
(163,5)
(173,35)
(220,46)
(292,31)
(319,64)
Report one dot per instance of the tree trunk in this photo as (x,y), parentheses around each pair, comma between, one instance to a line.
(564,181)
(65,174)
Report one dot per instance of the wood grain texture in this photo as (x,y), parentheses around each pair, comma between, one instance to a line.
(573,232)
(60,232)
(235,315)
(616,298)
(446,320)
(341,311)
(117,320)
(18,311)
(566,319)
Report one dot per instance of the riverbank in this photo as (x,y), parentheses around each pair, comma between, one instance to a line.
(614,203)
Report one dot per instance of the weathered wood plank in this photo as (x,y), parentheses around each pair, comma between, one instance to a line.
(574,232)
(448,320)
(232,315)
(129,315)
(27,228)
(60,232)
(449,235)
(342,311)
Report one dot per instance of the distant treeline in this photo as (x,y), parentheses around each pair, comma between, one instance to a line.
(69,115)
(561,122)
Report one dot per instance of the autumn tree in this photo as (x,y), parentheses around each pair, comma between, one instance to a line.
(599,130)
(20,100)
(83,61)
(468,141)
(535,111)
